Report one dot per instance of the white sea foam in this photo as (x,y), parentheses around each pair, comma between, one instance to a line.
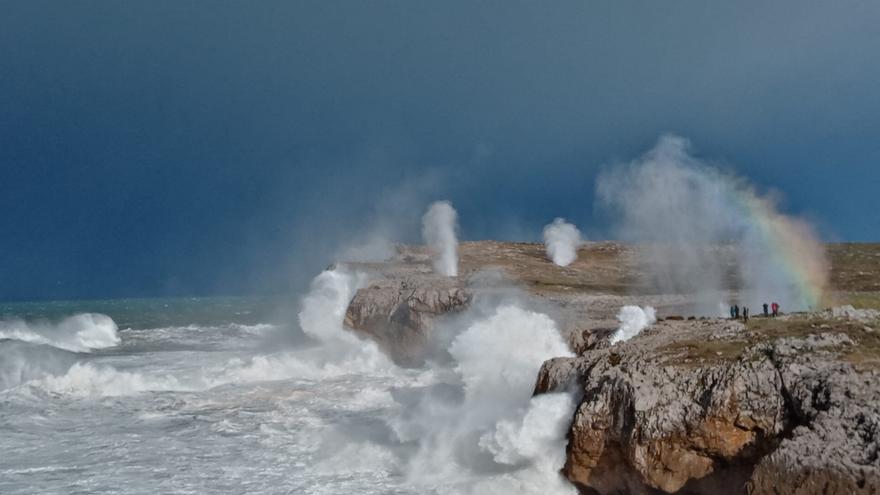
(334,411)
(535,439)
(78,333)
(21,362)
(464,445)
(499,357)
(85,379)
(338,351)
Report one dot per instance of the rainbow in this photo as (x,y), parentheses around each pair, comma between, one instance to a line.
(788,248)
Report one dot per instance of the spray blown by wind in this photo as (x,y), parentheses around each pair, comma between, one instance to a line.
(495,438)
(439,226)
(633,320)
(562,239)
(707,232)
(471,425)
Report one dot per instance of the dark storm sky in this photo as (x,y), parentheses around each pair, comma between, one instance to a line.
(194,147)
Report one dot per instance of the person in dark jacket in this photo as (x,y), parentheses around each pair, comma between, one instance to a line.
(745,313)
(736,311)
(732,315)
(766,310)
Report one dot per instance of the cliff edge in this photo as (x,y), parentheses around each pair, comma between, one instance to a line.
(782,405)
(777,406)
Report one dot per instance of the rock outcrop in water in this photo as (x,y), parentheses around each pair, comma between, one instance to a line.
(399,313)
(779,406)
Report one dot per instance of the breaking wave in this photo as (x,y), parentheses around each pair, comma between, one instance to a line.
(43,359)
(79,333)
(468,425)
(48,356)
(59,371)
(338,352)
(22,362)
(88,380)
(496,437)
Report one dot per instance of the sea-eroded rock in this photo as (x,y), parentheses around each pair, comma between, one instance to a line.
(675,411)
(782,405)
(399,313)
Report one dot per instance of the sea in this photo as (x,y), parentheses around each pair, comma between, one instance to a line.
(272,395)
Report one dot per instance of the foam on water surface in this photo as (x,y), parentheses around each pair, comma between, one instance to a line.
(330,416)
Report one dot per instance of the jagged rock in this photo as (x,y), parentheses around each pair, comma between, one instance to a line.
(708,406)
(400,313)
(850,313)
(673,411)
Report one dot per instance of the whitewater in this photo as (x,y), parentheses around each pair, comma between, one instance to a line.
(201,396)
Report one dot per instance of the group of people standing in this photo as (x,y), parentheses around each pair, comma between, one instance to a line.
(769,310)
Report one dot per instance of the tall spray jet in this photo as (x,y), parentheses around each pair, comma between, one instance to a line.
(633,319)
(562,239)
(705,231)
(439,227)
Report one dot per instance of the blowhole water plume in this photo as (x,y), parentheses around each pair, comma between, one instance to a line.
(633,320)
(707,232)
(439,227)
(561,240)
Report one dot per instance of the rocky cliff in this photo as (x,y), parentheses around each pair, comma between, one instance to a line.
(782,407)
(779,405)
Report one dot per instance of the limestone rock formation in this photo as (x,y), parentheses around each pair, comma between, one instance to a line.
(780,406)
(709,407)
(399,313)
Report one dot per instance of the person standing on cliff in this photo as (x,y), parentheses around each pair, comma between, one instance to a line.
(732,316)
(736,311)
(775,308)
(766,310)
(745,313)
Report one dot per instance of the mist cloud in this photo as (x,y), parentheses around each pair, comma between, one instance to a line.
(706,231)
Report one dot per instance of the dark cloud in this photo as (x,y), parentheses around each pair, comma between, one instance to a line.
(174,147)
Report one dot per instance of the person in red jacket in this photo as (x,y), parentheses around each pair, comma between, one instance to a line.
(775,308)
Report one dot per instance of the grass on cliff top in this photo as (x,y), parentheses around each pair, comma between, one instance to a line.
(616,268)
(855,266)
(859,300)
(864,355)
(694,353)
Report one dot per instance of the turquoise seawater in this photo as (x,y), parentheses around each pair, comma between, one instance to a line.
(159,312)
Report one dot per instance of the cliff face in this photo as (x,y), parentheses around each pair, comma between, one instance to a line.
(715,407)
(778,406)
